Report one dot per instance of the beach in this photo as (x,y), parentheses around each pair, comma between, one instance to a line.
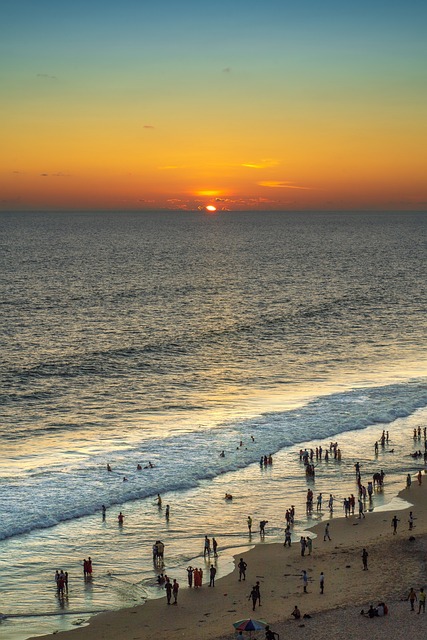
(134,353)
(395,564)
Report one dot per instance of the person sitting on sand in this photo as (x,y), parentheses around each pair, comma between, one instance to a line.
(296,613)
(372,612)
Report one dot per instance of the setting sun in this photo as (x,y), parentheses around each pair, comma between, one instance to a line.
(210,208)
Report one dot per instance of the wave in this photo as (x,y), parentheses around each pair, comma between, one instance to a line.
(182,461)
(187,341)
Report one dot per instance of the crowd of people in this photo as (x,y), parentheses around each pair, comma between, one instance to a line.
(210,547)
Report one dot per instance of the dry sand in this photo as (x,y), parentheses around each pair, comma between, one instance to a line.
(395,564)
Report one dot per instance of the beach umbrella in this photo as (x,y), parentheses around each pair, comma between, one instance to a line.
(248,624)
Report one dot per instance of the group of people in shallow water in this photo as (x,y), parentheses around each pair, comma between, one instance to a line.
(266,461)
(139,467)
(307,456)
(61,580)
(158,553)
(61,577)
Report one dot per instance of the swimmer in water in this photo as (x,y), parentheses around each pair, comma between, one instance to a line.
(222,454)
(125,479)
(167,512)
(108,467)
(228,496)
(138,467)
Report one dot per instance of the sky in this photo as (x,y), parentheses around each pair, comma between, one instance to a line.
(237,105)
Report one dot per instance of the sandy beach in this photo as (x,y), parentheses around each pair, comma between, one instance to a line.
(395,563)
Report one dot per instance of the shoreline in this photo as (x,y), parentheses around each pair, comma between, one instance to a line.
(209,612)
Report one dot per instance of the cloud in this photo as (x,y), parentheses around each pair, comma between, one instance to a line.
(278,184)
(46,76)
(149,126)
(58,174)
(170,167)
(264,163)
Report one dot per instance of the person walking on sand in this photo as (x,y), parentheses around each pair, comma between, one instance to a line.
(168,588)
(410,520)
(394,522)
(257,589)
(254,597)
(408,481)
(304,579)
(419,477)
(212,574)
(322,582)
(412,597)
(249,521)
(309,543)
(242,566)
(175,589)
(326,535)
(303,545)
(361,513)
(365,559)
(422,601)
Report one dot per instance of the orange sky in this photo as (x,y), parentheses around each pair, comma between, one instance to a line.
(281,118)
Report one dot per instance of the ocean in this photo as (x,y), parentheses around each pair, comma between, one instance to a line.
(169,337)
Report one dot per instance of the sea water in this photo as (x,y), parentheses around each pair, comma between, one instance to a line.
(170,337)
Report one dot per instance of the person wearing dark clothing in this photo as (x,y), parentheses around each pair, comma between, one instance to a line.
(212,574)
(365,559)
(242,566)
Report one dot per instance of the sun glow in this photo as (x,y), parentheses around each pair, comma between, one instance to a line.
(211,208)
